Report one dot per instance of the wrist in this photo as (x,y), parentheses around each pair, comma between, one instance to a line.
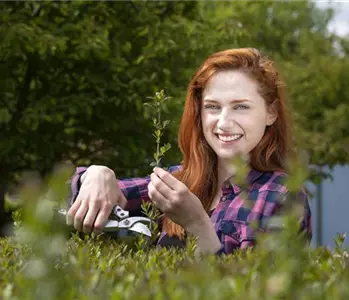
(199,226)
(95,170)
(207,240)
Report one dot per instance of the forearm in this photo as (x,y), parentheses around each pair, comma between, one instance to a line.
(207,240)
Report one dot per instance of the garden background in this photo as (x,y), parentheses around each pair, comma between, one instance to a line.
(74,77)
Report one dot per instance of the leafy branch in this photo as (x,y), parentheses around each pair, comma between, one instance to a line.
(156,106)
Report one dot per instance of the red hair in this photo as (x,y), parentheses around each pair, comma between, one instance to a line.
(199,166)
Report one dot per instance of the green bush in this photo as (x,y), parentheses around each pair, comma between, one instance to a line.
(42,261)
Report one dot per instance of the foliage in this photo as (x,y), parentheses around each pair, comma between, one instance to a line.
(75,75)
(71,80)
(43,261)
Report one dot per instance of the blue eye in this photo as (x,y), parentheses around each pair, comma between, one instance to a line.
(211,106)
(241,106)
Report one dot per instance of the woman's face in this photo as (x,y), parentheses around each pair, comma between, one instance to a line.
(233,113)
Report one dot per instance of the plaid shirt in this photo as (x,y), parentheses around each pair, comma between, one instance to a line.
(232,217)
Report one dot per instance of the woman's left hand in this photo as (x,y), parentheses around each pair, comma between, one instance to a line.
(174,199)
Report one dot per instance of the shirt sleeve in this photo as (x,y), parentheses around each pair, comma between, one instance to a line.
(135,190)
(75,184)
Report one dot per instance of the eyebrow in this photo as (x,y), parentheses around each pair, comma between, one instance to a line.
(232,101)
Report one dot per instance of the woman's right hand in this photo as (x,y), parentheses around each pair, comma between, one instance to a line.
(98,194)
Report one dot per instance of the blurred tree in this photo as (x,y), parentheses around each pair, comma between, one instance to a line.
(74,76)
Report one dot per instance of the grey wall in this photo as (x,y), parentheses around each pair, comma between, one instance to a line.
(330,207)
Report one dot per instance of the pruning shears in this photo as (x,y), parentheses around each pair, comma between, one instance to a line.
(121,225)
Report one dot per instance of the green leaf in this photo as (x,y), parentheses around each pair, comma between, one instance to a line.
(165,123)
(5,115)
(139,59)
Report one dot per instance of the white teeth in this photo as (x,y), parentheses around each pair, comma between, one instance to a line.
(229,138)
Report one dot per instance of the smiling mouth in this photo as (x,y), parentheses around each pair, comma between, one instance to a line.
(229,138)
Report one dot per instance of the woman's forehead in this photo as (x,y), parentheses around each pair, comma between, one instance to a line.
(230,85)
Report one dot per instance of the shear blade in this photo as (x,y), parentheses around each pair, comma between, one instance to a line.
(141,228)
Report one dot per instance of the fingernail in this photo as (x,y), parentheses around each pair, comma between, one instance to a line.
(69,221)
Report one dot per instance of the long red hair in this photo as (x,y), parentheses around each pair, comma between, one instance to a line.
(199,166)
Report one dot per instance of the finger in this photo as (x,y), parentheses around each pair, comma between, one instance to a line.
(150,188)
(72,212)
(100,221)
(90,218)
(79,217)
(161,186)
(157,198)
(168,178)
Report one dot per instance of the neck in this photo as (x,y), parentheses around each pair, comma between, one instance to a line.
(225,170)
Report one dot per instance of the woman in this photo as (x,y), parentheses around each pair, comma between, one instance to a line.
(234,106)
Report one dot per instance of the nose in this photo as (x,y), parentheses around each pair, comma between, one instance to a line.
(225,120)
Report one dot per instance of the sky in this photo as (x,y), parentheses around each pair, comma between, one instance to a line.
(340,24)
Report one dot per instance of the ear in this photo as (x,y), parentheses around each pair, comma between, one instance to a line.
(272,114)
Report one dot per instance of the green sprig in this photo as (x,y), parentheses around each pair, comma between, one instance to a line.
(156,106)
